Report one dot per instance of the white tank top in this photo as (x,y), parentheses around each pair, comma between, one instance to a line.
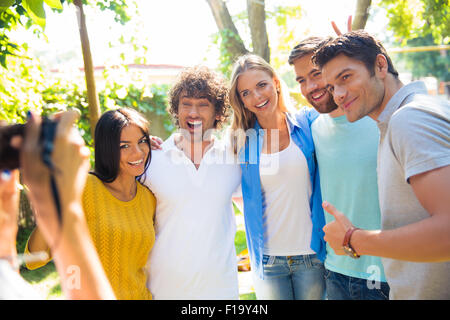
(286,185)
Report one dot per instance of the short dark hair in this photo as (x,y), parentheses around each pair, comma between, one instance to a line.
(107,141)
(197,82)
(358,45)
(306,47)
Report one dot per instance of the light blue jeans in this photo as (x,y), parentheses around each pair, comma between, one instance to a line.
(291,278)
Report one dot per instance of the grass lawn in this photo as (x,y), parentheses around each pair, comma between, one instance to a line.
(46,279)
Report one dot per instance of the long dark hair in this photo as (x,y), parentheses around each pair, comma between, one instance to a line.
(107,141)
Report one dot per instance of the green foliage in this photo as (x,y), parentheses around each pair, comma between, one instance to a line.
(226,60)
(145,99)
(282,20)
(22,237)
(20,87)
(411,19)
(428,63)
(118,7)
(9,20)
(28,13)
(286,36)
(35,10)
(25,87)
(5,4)
(44,280)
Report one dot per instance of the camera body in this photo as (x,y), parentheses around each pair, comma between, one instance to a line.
(10,157)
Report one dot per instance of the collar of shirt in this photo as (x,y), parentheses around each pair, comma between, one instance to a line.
(397,100)
(259,131)
(218,148)
(291,120)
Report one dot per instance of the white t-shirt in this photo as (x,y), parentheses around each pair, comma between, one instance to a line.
(194,255)
(13,286)
(287,189)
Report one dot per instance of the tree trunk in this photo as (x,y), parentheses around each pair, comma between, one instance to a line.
(257,22)
(361,14)
(234,44)
(93,101)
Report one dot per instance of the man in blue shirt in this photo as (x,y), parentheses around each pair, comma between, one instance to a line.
(347,159)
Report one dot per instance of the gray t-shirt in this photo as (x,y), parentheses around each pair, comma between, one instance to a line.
(414,138)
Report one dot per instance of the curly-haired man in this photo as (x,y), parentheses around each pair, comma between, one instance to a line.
(194,255)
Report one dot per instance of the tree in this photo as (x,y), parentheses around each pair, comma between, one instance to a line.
(361,14)
(11,10)
(231,44)
(418,18)
(421,23)
(257,23)
(93,102)
(428,63)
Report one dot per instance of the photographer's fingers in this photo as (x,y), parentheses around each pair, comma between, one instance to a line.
(32,132)
(71,156)
(33,169)
(16,142)
(67,131)
(65,123)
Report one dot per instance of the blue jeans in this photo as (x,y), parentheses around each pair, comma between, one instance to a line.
(291,278)
(342,287)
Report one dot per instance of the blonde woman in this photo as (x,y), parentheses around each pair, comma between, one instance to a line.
(280,185)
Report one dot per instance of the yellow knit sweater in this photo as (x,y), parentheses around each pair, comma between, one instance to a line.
(123,235)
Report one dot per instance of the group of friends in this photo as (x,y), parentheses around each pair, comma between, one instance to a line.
(347,199)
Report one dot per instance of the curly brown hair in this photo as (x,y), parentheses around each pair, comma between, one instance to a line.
(200,81)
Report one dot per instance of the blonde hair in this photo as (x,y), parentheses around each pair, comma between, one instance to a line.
(243,119)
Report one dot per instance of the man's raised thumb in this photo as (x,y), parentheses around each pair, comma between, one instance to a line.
(328,207)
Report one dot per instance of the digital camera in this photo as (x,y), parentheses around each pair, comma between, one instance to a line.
(9,156)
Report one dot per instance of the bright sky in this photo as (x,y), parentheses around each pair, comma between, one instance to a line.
(175,31)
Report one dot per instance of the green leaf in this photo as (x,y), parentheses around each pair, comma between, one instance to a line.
(6,3)
(35,9)
(55,4)
(3,61)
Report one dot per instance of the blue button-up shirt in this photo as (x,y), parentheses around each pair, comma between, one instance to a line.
(249,157)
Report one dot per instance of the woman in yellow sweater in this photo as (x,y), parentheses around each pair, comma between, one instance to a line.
(119,210)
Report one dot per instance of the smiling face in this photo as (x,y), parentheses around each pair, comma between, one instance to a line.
(258,92)
(354,89)
(196,115)
(134,151)
(313,85)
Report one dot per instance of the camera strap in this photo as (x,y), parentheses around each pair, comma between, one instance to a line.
(55,195)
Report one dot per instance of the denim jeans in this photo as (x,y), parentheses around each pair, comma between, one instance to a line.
(342,287)
(291,278)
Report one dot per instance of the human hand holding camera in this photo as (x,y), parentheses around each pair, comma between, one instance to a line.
(70,160)
(54,163)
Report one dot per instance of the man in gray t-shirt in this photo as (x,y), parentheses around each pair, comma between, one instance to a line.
(413,168)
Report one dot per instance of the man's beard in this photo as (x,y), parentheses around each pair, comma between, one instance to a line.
(329,107)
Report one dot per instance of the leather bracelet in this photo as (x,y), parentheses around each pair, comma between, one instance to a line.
(347,239)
